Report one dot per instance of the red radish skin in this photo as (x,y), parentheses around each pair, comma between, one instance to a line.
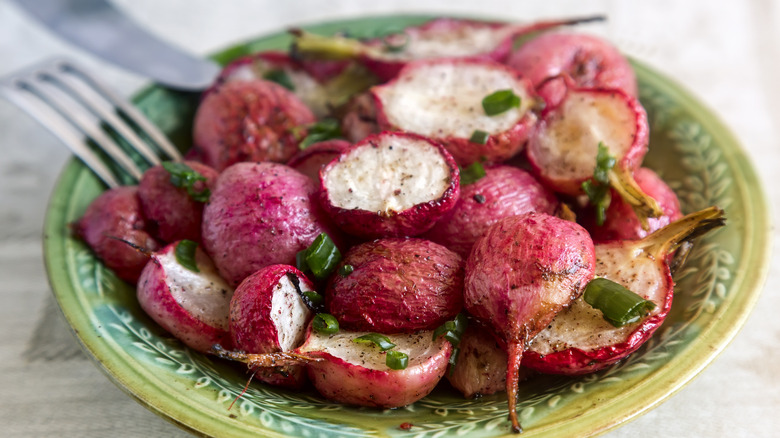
(621,221)
(311,160)
(359,118)
(442,100)
(267,316)
(397,286)
(117,214)
(380,188)
(520,273)
(192,306)
(249,121)
(503,191)
(356,374)
(481,365)
(170,212)
(260,214)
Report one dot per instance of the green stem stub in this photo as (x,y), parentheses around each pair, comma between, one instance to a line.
(325,323)
(185,254)
(619,305)
(320,258)
(381,341)
(397,360)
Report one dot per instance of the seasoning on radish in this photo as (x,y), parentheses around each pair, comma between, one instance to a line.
(579,340)
(390,184)
(519,275)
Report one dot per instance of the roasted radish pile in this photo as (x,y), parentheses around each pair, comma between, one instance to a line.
(462,199)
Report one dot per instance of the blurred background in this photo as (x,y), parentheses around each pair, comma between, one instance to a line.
(726,53)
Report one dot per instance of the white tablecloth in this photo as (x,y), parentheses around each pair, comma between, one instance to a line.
(726,53)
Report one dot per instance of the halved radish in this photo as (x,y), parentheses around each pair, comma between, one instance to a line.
(443,100)
(181,291)
(311,160)
(269,315)
(480,368)
(397,286)
(565,144)
(579,340)
(390,184)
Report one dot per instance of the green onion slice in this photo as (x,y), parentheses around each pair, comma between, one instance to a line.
(183,176)
(479,137)
(326,129)
(619,305)
(452,330)
(397,360)
(381,341)
(471,174)
(500,101)
(185,254)
(321,257)
(597,188)
(346,270)
(325,323)
(280,77)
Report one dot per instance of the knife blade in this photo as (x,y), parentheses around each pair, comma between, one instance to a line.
(98,27)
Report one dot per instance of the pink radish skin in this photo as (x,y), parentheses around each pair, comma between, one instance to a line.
(312,159)
(249,121)
(359,118)
(397,286)
(622,223)
(579,340)
(503,191)
(442,100)
(117,214)
(520,273)
(192,306)
(171,212)
(267,316)
(356,374)
(390,184)
(260,214)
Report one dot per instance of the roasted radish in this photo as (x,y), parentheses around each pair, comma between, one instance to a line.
(396,286)
(390,184)
(260,214)
(570,140)
(115,228)
(503,191)
(479,110)
(268,314)
(519,275)
(358,118)
(310,160)
(579,340)
(172,196)
(181,291)
(480,367)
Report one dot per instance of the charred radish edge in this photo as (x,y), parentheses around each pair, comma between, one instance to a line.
(183,176)
(320,258)
(145,251)
(453,332)
(622,180)
(617,303)
(185,254)
(266,360)
(325,323)
(313,300)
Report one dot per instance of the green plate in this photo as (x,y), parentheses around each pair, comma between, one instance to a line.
(715,292)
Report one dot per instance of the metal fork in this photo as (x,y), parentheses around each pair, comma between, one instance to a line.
(93,121)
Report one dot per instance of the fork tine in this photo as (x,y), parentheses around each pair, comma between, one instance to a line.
(60,127)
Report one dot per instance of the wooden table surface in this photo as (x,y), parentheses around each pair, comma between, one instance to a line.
(726,53)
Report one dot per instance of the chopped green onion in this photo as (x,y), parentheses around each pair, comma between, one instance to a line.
(326,129)
(397,360)
(325,323)
(619,305)
(346,270)
(381,341)
(597,188)
(321,257)
(471,174)
(312,299)
(280,77)
(315,298)
(452,330)
(183,176)
(500,101)
(185,254)
(396,42)
(479,137)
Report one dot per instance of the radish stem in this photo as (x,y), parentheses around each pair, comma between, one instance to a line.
(622,180)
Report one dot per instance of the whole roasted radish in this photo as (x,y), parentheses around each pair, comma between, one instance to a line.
(181,291)
(358,118)
(260,214)
(503,191)
(579,339)
(255,120)
(479,110)
(588,130)
(396,286)
(172,196)
(115,228)
(519,275)
(390,184)
(268,314)
(310,160)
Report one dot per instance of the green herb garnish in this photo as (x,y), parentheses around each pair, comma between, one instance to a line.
(346,270)
(185,254)
(471,174)
(479,137)
(453,332)
(381,341)
(500,101)
(325,323)
(320,258)
(397,360)
(619,305)
(396,42)
(597,188)
(183,176)
(326,129)
(280,77)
